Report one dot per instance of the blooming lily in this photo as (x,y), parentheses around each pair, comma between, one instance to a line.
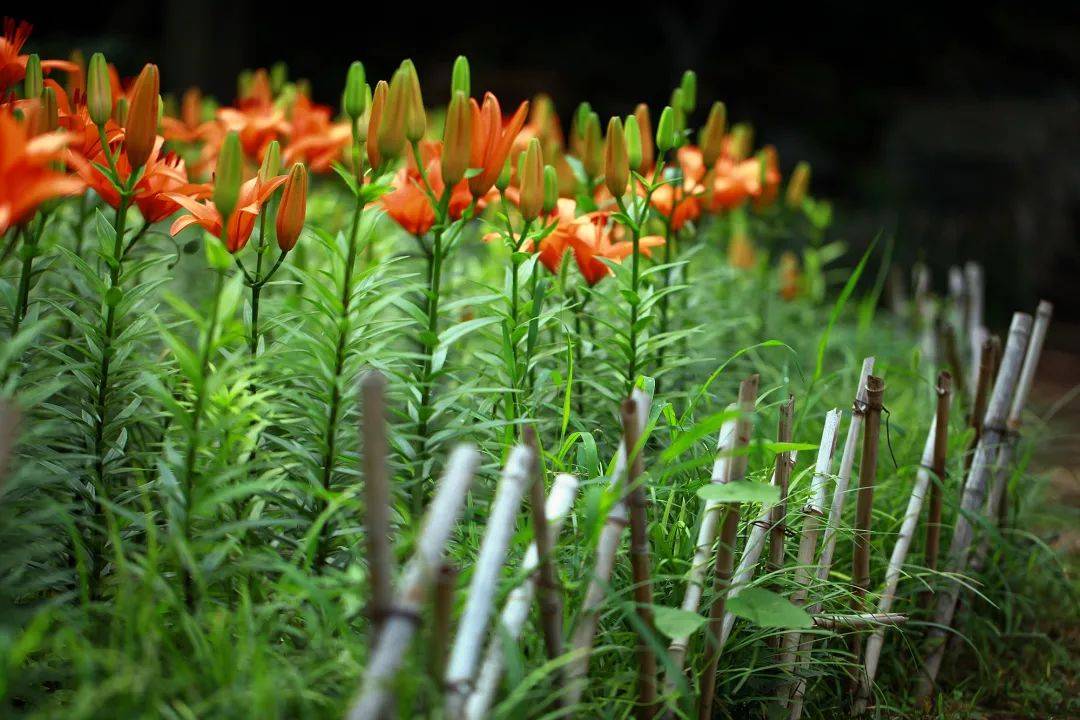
(241,223)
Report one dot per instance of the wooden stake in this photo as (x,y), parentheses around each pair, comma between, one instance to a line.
(640,561)
(377,499)
(469,642)
(860,570)
(859,620)
(617,519)
(778,516)
(974,496)
(941,448)
(725,553)
(516,610)
(442,620)
(549,594)
(419,574)
(952,357)
(985,381)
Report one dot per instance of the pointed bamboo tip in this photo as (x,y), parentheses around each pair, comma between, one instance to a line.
(1045,310)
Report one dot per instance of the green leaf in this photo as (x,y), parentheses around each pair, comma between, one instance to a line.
(740,491)
(676,623)
(767,609)
(708,426)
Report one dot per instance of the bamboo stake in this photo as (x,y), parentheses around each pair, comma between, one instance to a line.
(710,517)
(549,594)
(9,433)
(859,620)
(985,381)
(726,550)
(958,301)
(1000,480)
(975,296)
(934,437)
(778,516)
(640,562)
(926,311)
(516,611)
(940,450)
(952,358)
(864,505)
(465,654)
(832,527)
(974,496)
(813,514)
(377,499)
(618,518)
(442,620)
(416,580)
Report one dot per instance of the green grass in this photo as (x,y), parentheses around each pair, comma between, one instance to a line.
(217,568)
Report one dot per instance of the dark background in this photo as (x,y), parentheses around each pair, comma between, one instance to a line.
(953,128)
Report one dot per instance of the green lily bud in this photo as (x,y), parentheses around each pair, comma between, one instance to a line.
(415,118)
(228,177)
(271,164)
(120,111)
(551,189)
(503,180)
(50,111)
(633,141)
(665,130)
(460,80)
(581,118)
(688,87)
(593,149)
(99,101)
(279,75)
(34,80)
(355,98)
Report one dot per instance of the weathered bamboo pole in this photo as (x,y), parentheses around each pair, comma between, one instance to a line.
(377,499)
(952,357)
(934,438)
(416,580)
(778,515)
(442,620)
(465,654)
(813,514)
(976,292)
(940,451)
(974,497)
(859,620)
(640,562)
(549,593)
(618,518)
(725,552)
(864,505)
(957,314)
(695,582)
(983,384)
(832,527)
(516,611)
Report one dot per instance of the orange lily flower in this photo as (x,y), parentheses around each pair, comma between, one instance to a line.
(769,177)
(491,141)
(592,244)
(189,126)
(163,176)
(74,117)
(27,174)
(241,223)
(314,139)
(789,276)
(13,64)
(554,246)
(256,119)
(409,205)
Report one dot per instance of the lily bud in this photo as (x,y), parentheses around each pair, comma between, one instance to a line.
(99,100)
(503,181)
(457,139)
(391,137)
(460,79)
(76,81)
(616,162)
(593,148)
(279,75)
(271,163)
(648,149)
(678,115)
(120,111)
(798,185)
(532,181)
(140,132)
(665,130)
(415,119)
(378,104)
(293,208)
(34,81)
(354,91)
(581,118)
(49,110)
(191,107)
(741,142)
(228,175)
(688,88)
(551,189)
(243,83)
(633,142)
(712,135)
